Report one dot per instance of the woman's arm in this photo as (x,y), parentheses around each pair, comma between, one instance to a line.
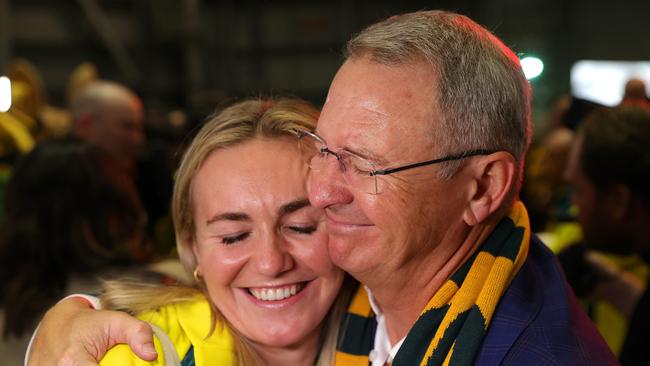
(74,333)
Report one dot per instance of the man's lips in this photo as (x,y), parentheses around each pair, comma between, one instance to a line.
(337,222)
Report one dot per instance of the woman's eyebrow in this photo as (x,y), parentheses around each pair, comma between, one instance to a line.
(228,216)
(293,206)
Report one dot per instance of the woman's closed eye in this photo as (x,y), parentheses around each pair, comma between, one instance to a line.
(232,239)
(303,229)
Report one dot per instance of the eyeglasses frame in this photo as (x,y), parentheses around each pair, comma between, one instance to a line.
(387,171)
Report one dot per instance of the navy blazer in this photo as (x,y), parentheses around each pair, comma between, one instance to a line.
(539,321)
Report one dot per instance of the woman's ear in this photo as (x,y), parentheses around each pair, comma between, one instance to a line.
(493,179)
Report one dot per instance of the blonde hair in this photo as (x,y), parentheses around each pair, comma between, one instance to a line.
(237,124)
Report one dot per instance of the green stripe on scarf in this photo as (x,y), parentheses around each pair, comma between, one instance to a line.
(451,328)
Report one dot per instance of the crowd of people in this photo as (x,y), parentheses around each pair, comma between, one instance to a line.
(573,173)
(390,227)
(80,202)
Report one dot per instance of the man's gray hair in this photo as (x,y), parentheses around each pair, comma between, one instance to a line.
(483,96)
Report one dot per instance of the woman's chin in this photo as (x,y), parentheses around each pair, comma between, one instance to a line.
(283,336)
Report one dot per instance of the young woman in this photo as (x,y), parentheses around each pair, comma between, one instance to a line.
(266,290)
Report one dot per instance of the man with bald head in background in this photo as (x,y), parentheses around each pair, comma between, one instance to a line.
(109,115)
(417,161)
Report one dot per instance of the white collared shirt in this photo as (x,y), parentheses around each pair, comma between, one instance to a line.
(382,352)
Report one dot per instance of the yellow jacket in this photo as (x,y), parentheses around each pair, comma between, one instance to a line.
(186,324)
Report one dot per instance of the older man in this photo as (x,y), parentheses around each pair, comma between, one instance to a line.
(429,120)
(417,162)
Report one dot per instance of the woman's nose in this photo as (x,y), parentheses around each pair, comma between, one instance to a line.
(273,257)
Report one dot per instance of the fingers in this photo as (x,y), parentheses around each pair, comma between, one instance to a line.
(137,334)
(71,334)
(70,356)
(74,358)
(54,343)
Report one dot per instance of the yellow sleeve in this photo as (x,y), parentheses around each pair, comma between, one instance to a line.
(165,318)
(186,324)
(121,354)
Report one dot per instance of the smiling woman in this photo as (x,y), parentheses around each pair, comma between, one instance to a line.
(256,247)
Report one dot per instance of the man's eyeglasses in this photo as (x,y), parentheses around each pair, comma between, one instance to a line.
(357,171)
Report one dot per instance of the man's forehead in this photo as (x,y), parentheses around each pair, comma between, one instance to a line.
(365,106)
(380,145)
(124,106)
(356,129)
(381,108)
(354,117)
(369,91)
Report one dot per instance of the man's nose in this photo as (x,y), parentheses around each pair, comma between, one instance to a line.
(327,187)
(273,257)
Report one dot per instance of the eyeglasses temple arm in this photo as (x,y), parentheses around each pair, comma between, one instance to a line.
(430,162)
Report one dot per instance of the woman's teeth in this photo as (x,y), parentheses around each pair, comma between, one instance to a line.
(275,294)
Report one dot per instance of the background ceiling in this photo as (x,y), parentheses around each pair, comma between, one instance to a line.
(193,54)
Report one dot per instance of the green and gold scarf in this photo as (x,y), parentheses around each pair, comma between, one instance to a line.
(451,328)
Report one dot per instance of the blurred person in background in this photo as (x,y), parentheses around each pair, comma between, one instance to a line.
(635,94)
(609,169)
(545,191)
(110,116)
(66,223)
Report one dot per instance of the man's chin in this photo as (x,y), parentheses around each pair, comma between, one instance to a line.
(340,250)
(353,256)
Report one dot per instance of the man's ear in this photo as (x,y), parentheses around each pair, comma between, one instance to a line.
(493,179)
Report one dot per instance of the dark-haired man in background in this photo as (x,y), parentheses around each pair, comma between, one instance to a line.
(609,169)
